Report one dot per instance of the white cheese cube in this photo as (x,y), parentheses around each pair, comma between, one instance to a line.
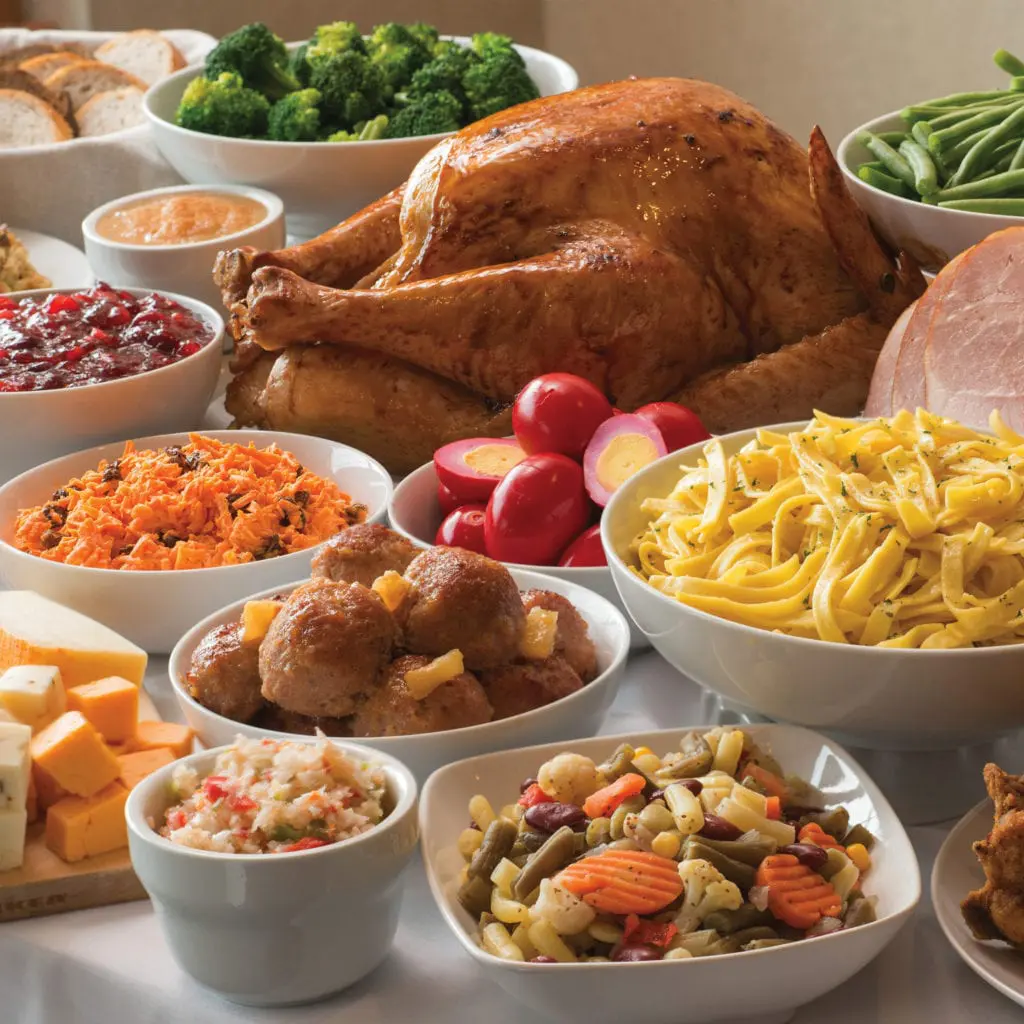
(12,838)
(34,694)
(15,765)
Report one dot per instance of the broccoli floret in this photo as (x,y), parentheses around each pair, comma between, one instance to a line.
(444,72)
(258,56)
(492,44)
(438,112)
(398,53)
(296,117)
(298,65)
(426,35)
(351,87)
(223,107)
(337,37)
(363,132)
(496,82)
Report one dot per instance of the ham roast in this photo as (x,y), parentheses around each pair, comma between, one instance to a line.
(959,350)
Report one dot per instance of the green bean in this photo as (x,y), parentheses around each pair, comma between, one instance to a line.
(875,165)
(926,177)
(948,118)
(1017,160)
(619,763)
(656,818)
(835,822)
(892,138)
(559,849)
(475,895)
(498,841)
(964,99)
(734,870)
(954,154)
(1017,83)
(599,831)
(980,155)
(885,182)
(749,851)
(860,911)
(729,921)
(685,766)
(859,834)
(986,118)
(1000,207)
(766,943)
(996,187)
(895,164)
(1006,61)
(631,805)
(756,934)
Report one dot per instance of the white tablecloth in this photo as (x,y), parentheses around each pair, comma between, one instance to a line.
(111,966)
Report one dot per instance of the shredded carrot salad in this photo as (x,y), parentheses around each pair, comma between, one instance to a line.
(203,504)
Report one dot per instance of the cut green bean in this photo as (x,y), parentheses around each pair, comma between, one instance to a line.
(986,118)
(996,187)
(1002,207)
(875,165)
(892,138)
(952,117)
(964,99)
(926,178)
(1017,162)
(980,155)
(1007,62)
(1017,84)
(895,164)
(885,182)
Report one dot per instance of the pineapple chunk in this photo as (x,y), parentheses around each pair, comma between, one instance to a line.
(256,619)
(540,634)
(391,588)
(421,682)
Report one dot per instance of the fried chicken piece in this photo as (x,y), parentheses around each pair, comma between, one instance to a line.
(362,553)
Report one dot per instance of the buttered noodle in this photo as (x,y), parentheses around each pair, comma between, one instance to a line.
(902,532)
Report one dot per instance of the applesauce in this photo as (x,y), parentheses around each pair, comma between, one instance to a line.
(181,217)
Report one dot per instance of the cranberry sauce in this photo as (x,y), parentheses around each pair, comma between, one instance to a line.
(66,341)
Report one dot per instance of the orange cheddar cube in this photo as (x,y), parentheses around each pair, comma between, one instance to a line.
(47,789)
(111,705)
(73,754)
(135,767)
(150,735)
(78,827)
(32,801)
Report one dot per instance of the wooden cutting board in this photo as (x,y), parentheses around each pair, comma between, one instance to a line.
(45,884)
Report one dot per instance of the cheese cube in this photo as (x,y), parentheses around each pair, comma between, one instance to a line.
(48,790)
(149,735)
(72,752)
(12,839)
(135,767)
(15,765)
(36,631)
(256,619)
(111,705)
(79,827)
(6,716)
(34,694)
(32,800)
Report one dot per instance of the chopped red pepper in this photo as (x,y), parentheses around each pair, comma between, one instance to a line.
(774,808)
(214,787)
(176,819)
(648,933)
(242,803)
(534,795)
(306,843)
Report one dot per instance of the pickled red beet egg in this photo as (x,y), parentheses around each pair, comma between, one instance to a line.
(463,528)
(585,551)
(558,413)
(619,448)
(471,469)
(447,500)
(679,427)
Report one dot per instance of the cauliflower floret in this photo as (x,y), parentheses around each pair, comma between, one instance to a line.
(564,911)
(570,778)
(705,890)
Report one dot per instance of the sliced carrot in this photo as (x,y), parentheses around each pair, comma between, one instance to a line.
(797,895)
(812,832)
(768,781)
(623,881)
(602,804)
(774,809)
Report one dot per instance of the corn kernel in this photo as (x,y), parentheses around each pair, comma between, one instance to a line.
(666,844)
(640,751)
(858,853)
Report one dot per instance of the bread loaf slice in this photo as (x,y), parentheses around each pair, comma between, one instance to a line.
(144,53)
(84,80)
(111,111)
(12,77)
(26,120)
(47,64)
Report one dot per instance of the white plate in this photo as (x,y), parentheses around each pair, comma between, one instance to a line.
(63,264)
(955,874)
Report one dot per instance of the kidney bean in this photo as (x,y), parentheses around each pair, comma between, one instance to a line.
(543,960)
(658,794)
(526,784)
(634,954)
(552,816)
(808,854)
(718,828)
(695,786)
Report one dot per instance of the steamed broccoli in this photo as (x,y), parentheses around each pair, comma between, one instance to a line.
(426,35)
(298,65)
(223,107)
(444,72)
(498,81)
(397,52)
(351,86)
(437,112)
(337,37)
(365,131)
(258,56)
(296,117)
(493,44)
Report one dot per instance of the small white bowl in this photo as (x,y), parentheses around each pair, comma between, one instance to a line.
(873,697)
(321,183)
(153,608)
(765,985)
(283,928)
(36,426)
(415,513)
(931,234)
(579,714)
(187,267)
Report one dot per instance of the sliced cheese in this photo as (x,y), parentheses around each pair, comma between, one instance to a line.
(150,735)
(12,839)
(36,631)
(111,705)
(15,766)
(33,694)
(79,827)
(73,753)
(135,767)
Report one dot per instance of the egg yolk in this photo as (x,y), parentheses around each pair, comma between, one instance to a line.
(624,455)
(493,459)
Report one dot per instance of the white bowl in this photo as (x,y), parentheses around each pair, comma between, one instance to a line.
(186,268)
(36,426)
(873,697)
(931,234)
(415,513)
(283,928)
(764,985)
(154,608)
(321,183)
(579,714)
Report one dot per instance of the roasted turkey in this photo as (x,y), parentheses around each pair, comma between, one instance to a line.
(656,236)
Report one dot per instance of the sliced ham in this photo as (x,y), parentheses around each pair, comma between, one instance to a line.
(879,401)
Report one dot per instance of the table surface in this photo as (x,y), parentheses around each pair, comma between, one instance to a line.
(90,966)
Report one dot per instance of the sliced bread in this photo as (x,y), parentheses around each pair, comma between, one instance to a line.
(26,120)
(145,54)
(83,81)
(48,64)
(20,54)
(12,77)
(111,111)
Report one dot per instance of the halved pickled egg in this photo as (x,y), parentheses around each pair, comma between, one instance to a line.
(619,448)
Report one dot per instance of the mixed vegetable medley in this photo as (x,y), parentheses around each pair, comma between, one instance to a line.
(709,849)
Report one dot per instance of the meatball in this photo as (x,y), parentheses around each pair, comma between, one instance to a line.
(362,553)
(513,689)
(393,711)
(273,717)
(225,674)
(326,649)
(464,600)
(572,640)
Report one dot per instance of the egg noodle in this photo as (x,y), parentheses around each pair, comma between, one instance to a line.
(901,532)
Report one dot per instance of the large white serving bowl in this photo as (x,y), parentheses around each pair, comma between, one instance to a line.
(873,697)
(36,426)
(763,986)
(154,608)
(321,183)
(415,513)
(579,714)
(283,928)
(931,234)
